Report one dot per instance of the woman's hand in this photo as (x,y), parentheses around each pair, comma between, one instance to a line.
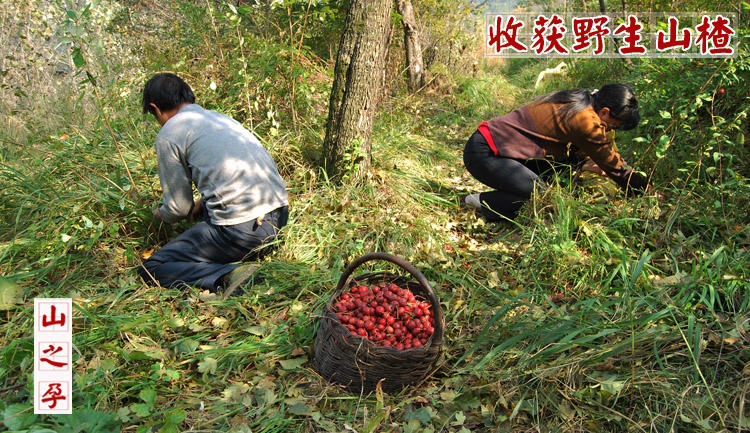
(637,183)
(591,166)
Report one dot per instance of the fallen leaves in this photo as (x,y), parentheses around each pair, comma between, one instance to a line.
(677,279)
(207,365)
(292,364)
(10,294)
(142,348)
(218,322)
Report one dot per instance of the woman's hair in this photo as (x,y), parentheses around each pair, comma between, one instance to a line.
(619,98)
(166,91)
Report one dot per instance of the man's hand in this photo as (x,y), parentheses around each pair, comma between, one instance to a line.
(157,215)
(197,211)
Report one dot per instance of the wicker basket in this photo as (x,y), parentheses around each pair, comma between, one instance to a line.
(360,364)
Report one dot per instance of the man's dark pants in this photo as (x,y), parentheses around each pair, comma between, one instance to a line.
(205,252)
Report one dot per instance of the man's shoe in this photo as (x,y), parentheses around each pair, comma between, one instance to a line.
(237,278)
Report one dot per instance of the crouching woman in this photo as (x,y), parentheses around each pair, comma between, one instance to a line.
(514,153)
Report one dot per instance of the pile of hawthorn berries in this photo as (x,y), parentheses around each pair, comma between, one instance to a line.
(387,315)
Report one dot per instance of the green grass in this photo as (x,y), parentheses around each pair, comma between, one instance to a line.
(652,333)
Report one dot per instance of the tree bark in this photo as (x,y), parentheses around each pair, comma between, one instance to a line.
(414,61)
(603,10)
(357,85)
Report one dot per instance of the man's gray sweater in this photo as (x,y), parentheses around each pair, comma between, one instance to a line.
(234,174)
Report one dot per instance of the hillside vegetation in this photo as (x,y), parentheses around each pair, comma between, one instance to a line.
(653,330)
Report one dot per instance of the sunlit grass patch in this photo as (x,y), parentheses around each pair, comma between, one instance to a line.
(650,332)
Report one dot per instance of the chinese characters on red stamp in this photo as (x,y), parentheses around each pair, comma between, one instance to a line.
(53,342)
(611,35)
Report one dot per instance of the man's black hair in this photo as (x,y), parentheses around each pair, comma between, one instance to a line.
(619,98)
(166,91)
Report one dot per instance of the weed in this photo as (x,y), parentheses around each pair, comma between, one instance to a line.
(651,334)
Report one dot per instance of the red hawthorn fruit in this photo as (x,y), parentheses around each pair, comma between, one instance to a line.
(387,315)
(721,91)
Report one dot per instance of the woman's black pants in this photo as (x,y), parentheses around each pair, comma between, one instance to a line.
(513,180)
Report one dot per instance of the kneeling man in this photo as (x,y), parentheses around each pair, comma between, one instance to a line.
(243,200)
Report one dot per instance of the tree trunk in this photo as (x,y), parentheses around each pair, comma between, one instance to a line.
(357,84)
(603,10)
(414,61)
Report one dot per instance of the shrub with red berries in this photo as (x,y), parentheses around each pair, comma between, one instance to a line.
(387,315)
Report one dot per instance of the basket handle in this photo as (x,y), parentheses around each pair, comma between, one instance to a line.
(403,264)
